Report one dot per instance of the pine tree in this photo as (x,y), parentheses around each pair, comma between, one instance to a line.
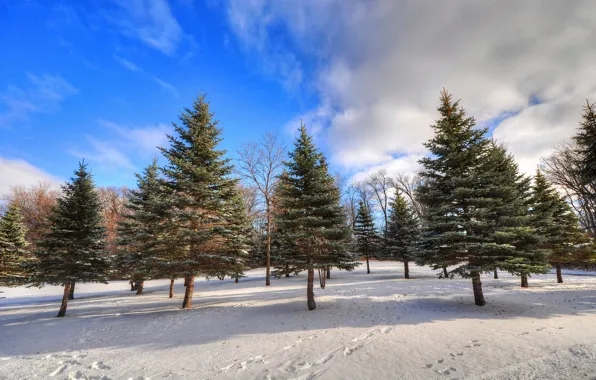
(198,177)
(586,142)
(312,224)
(74,248)
(556,222)
(141,253)
(367,240)
(403,232)
(13,248)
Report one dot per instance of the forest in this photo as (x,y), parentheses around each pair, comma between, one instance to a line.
(199,211)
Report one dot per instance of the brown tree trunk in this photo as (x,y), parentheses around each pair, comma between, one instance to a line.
(496,274)
(64,304)
(140,288)
(268,271)
(171,288)
(322,277)
(524,280)
(71,292)
(310,294)
(328,273)
(559,274)
(406,269)
(477,286)
(235,280)
(287,275)
(132,287)
(185,281)
(190,288)
(367,264)
(445,274)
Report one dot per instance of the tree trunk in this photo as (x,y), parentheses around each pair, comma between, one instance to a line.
(445,274)
(171,288)
(328,273)
(406,269)
(268,272)
(524,280)
(287,275)
(322,277)
(190,288)
(496,274)
(71,293)
(140,288)
(132,286)
(185,281)
(310,295)
(367,264)
(64,304)
(559,274)
(477,286)
(236,280)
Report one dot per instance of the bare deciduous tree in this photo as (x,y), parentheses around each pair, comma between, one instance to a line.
(408,184)
(562,169)
(261,162)
(381,185)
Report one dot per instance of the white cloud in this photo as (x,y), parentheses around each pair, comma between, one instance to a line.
(44,94)
(16,172)
(151,22)
(128,145)
(379,67)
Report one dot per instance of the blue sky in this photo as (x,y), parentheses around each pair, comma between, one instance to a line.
(103,82)
(103,79)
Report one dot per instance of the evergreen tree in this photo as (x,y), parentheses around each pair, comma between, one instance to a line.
(13,248)
(367,240)
(403,232)
(198,177)
(509,237)
(141,251)
(450,194)
(73,250)
(312,224)
(586,143)
(556,222)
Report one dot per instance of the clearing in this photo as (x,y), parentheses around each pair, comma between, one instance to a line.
(376,326)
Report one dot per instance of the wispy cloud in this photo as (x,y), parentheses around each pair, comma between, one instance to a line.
(151,22)
(133,67)
(43,93)
(128,144)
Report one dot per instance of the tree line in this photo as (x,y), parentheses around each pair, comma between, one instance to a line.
(468,211)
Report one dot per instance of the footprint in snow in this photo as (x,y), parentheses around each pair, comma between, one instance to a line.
(350,350)
(541,329)
(99,365)
(440,361)
(429,365)
(385,330)
(363,337)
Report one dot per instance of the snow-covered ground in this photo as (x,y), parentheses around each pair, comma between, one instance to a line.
(376,326)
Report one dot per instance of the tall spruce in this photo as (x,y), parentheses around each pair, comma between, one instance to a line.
(73,250)
(586,144)
(367,240)
(312,224)
(198,176)
(13,248)
(139,233)
(403,233)
(450,194)
(556,222)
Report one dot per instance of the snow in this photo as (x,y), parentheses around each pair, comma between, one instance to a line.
(376,326)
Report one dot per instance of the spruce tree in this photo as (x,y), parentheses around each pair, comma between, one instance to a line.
(139,233)
(509,237)
(312,224)
(557,224)
(73,250)
(367,240)
(450,194)
(586,143)
(403,232)
(13,248)
(198,177)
